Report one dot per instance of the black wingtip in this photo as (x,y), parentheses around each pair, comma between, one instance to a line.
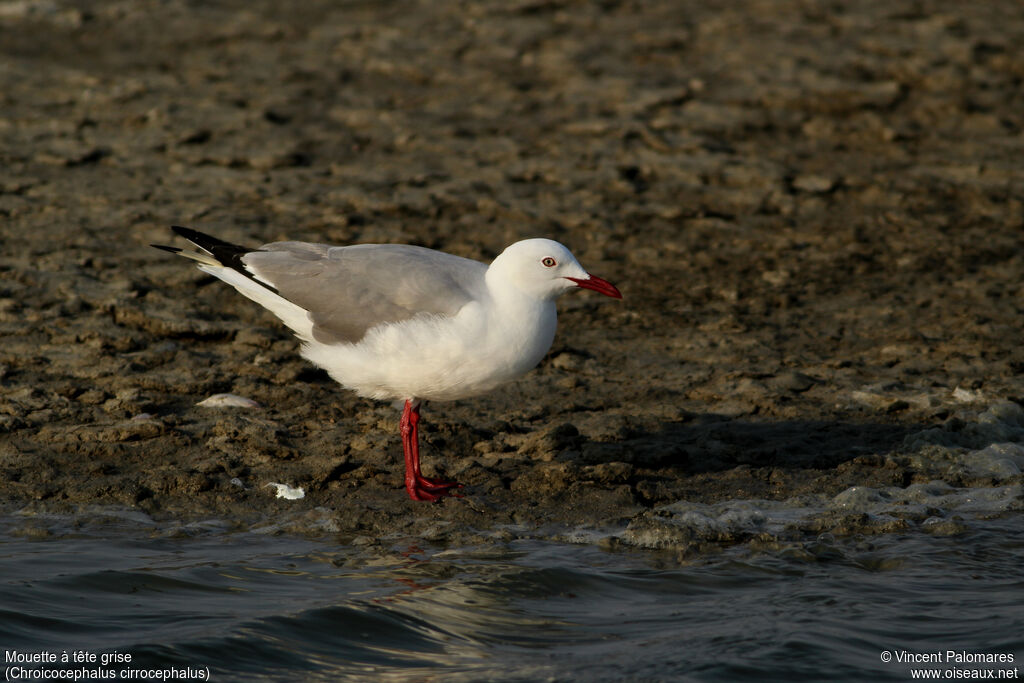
(173,250)
(201,239)
(187,233)
(228,254)
(210,243)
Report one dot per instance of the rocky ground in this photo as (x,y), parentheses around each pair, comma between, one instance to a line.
(814,211)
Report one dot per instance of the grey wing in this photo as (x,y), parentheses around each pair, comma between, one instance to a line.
(349,290)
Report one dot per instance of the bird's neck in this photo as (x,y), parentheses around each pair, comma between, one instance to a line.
(521,322)
(513,301)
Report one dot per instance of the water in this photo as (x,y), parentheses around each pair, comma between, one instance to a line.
(246,606)
(925,572)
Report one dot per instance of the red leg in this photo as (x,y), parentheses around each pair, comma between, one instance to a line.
(418,486)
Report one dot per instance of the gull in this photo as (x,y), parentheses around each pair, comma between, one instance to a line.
(405,323)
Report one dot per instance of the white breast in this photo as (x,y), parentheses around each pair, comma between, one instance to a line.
(439,358)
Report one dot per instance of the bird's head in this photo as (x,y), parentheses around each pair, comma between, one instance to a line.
(545,269)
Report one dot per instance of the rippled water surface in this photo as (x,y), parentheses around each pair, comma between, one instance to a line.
(248,606)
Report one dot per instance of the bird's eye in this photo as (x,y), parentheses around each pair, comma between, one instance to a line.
(549,262)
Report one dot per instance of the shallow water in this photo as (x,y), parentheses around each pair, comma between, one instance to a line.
(257,607)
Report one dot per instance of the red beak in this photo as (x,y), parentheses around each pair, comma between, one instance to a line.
(598,285)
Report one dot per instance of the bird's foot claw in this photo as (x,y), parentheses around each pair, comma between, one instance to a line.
(429,489)
(439,483)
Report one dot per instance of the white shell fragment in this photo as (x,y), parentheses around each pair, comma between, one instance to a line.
(228,401)
(288,492)
(966,396)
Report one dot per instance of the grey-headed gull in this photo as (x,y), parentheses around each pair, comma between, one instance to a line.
(400,322)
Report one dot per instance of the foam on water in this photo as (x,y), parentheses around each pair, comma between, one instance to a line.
(985,452)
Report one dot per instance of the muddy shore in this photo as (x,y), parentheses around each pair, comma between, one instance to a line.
(814,214)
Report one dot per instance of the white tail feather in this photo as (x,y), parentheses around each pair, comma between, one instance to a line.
(202,257)
(295,317)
